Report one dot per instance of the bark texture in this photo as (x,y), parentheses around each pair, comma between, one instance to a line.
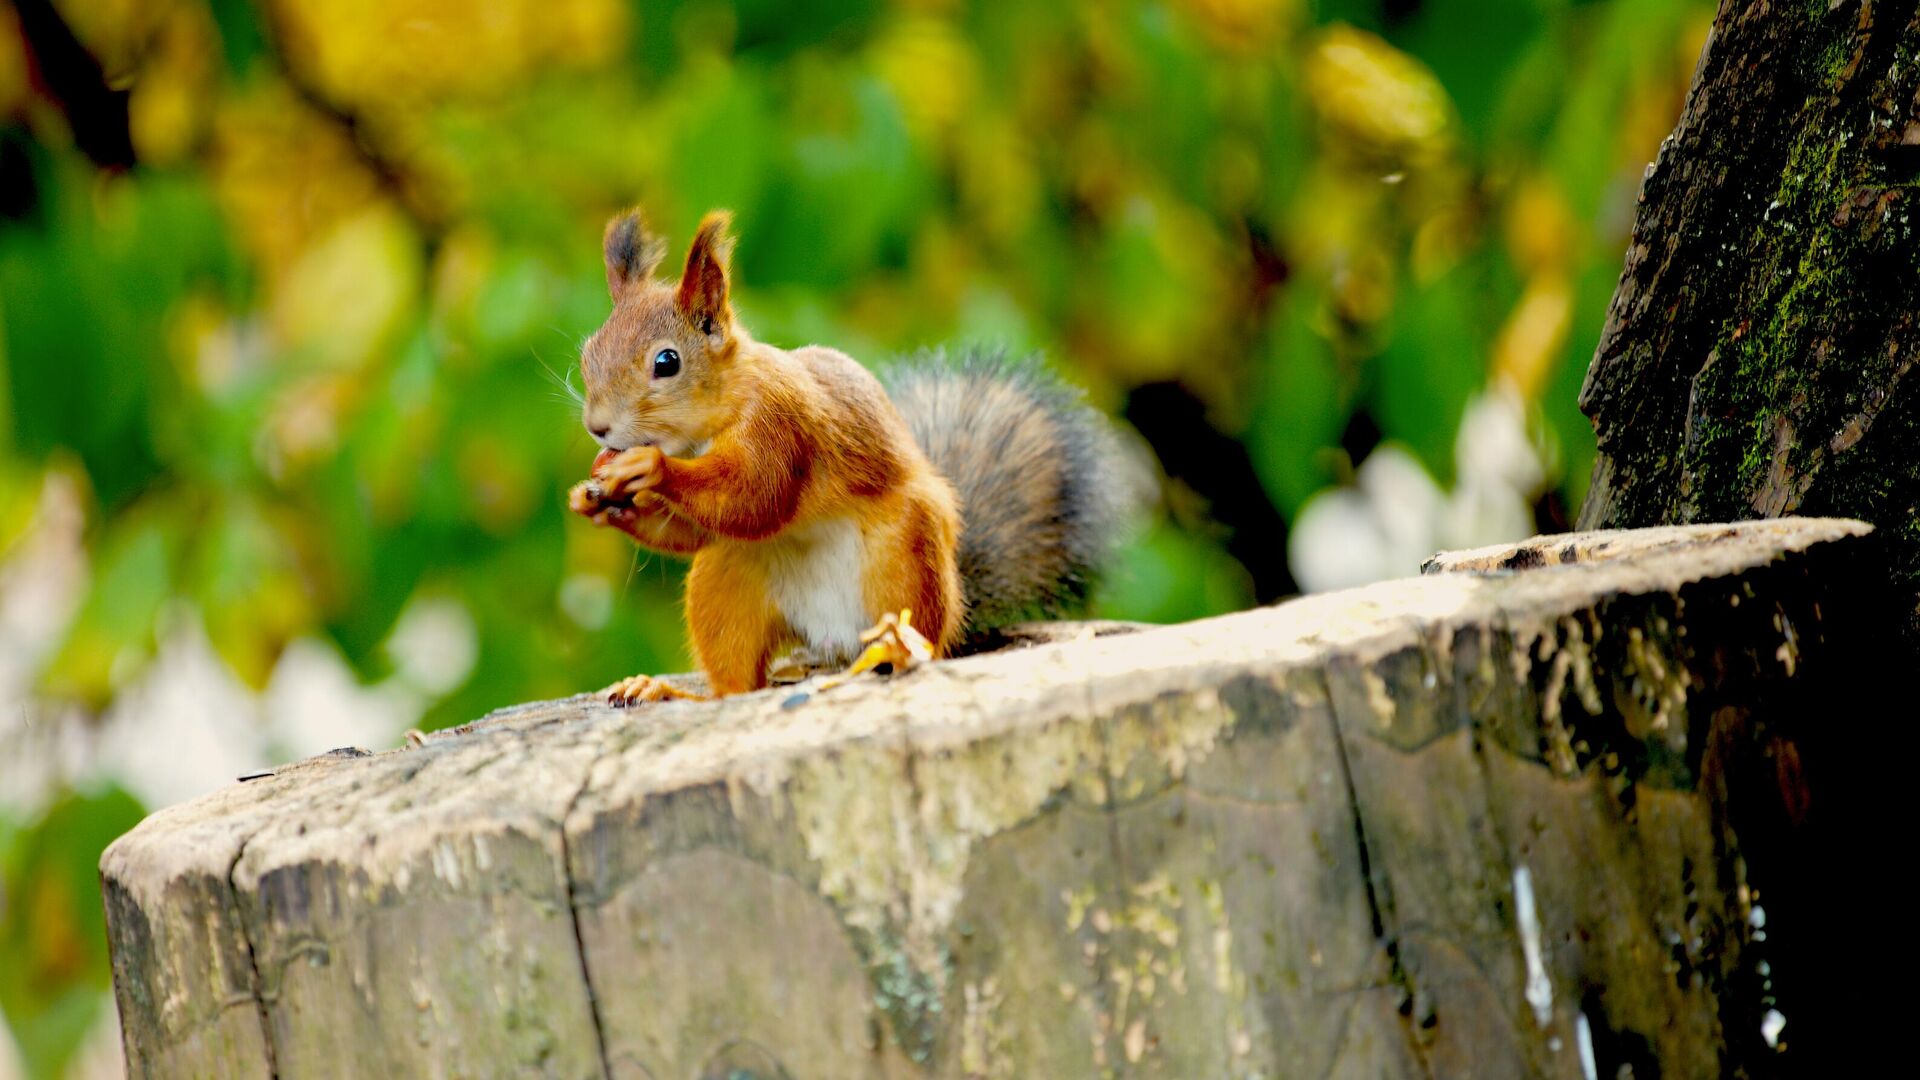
(1472,824)
(1755,358)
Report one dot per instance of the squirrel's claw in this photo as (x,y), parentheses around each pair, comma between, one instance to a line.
(592,500)
(640,689)
(892,640)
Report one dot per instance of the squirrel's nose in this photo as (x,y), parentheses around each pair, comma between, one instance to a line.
(599,430)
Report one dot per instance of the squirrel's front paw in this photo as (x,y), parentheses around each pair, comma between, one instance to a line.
(632,470)
(638,689)
(587,498)
(592,500)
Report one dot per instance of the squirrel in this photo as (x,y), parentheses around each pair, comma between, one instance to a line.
(816,502)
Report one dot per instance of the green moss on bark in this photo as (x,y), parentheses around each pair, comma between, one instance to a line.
(1755,354)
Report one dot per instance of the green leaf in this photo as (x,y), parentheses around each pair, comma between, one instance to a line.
(85,321)
(242,43)
(1474,47)
(112,637)
(1301,405)
(849,181)
(1434,360)
(52,927)
(1168,575)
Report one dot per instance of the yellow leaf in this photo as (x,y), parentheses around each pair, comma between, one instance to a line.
(285,175)
(116,32)
(932,71)
(1534,335)
(998,180)
(1378,96)
(1539,228)
(381,54)
(252,596)
(13,64)
(1243,26)
(303,423)
(342,301)
(60,953)
(172,92)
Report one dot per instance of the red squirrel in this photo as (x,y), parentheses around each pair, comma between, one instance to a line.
(813,501)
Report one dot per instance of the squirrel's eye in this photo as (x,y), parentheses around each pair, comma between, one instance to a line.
(666,363)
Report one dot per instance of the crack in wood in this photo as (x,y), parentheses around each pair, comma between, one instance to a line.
(253,959)
(573,913)
(1379,907)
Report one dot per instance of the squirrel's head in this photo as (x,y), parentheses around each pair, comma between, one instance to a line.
(655,370)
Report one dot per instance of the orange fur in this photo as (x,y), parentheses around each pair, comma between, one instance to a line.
(916,570)
(734,627)
(755,460)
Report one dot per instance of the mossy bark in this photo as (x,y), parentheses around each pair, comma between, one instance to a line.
(1478,823)
(1755,358)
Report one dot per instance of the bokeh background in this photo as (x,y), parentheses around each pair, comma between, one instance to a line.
(291,293)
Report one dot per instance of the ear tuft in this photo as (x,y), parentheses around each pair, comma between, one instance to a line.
(633,253)
(702,297)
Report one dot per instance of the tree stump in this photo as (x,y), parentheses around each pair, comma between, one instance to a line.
(1546,814)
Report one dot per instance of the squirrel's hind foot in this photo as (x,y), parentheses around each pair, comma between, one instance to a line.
(893,641)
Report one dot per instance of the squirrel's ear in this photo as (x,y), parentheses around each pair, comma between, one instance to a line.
(703,286)
(633,254)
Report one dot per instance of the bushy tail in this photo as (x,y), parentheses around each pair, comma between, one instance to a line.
(1043,487)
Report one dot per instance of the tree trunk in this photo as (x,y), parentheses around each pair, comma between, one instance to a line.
(1755,356)
(1495,822)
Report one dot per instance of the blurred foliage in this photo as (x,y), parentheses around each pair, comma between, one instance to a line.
(52,928)
(310,359)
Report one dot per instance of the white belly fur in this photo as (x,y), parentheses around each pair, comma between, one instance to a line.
(814,575)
